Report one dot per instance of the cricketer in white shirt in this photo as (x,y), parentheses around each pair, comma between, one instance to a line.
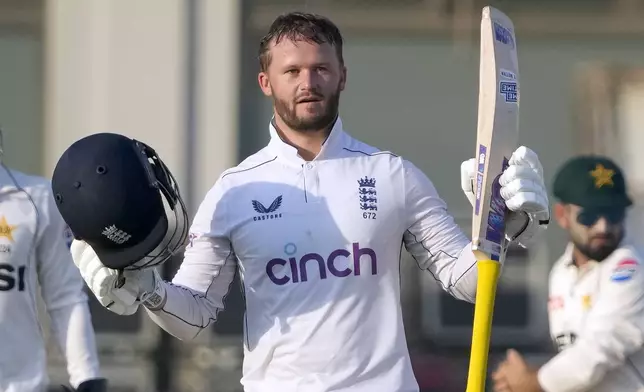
(318,245)
(596,299)
(597,322)
(34,252)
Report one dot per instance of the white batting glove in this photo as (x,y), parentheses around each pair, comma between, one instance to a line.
(468,176)
(121,294)
(524,192)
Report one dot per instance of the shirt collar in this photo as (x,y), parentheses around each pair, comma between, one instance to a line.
(331,147)
(567,255)
(7,183)
(570,264)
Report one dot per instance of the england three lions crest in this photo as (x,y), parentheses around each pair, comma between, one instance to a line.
(367,194)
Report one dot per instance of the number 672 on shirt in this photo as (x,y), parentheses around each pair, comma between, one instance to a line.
(497,138)
(369,215)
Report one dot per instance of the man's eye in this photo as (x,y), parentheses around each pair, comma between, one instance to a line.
(291,71)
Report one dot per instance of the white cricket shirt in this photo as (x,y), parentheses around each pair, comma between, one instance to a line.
(318,245)
(34,252)
(597,323)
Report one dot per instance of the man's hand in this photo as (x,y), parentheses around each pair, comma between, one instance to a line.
(94,385)
(120,293)
(524,192)
(515,375)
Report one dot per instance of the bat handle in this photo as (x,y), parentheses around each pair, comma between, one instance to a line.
(120,279)
(488,274)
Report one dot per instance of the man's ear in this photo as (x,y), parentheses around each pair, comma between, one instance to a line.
(264,84)
(343,78)
(561,215)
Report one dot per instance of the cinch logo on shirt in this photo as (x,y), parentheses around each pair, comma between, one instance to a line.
(300,269)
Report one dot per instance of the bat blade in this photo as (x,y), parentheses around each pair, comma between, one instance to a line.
(497,138)
(497,131)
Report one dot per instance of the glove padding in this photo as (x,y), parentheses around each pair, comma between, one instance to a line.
(120,293)
(93,385)
(524,192)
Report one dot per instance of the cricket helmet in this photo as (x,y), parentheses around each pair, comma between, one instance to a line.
(117,195)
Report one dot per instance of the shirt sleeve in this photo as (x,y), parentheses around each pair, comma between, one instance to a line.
(72,326)
(613,330)
(433,238)
(197,292)
(64,296)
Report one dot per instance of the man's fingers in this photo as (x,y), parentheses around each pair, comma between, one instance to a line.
(514,356)
(519,185)
(502,387)
(525,156)
(77,248)
(468,170)
(498,375)
(101,282)
(530,202)
(519,172)
(501,383)
(501,371)
(500,380)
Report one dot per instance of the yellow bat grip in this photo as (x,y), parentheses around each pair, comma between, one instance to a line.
(488,274)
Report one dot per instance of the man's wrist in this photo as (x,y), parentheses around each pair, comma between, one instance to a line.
(543,379)
(155,299)
(91,385)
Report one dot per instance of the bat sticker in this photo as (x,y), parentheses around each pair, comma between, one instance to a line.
(496,217)
(479,177)
(509,91)
(508,74)
(503,34)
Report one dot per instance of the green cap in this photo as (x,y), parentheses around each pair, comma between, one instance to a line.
(591,181)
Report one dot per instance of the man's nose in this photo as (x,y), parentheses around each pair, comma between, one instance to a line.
(601,225)
(307,79)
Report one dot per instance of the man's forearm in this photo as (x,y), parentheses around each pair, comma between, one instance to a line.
(577,368)
(182,312)
(464,275)
(72,327)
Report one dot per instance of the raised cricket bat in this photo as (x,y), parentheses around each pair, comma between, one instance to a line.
(496,139)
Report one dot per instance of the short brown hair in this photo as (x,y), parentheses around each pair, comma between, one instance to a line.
(300,26)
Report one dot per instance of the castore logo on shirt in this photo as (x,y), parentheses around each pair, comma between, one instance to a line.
(297,271)
(267,213)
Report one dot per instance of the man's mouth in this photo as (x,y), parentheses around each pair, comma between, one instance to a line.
(604,239)
(309,99)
